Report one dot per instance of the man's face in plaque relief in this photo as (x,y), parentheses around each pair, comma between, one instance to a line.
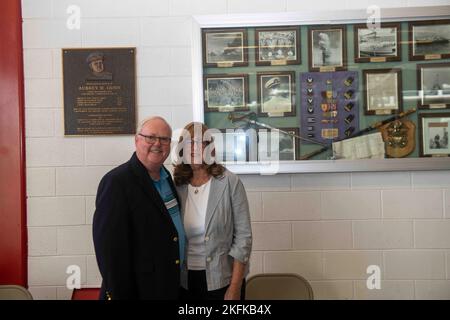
(97,66)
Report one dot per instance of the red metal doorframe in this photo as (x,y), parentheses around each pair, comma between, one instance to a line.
(13,229)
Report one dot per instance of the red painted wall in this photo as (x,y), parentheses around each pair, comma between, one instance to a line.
(13,233)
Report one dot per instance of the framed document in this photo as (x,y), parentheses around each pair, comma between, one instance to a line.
(99,91)
(429,40)
(327,48)
(434,85)
(226,92)
(382,91)
(224,47)
(276,94)
(277,46)
(433,132)
(377,44)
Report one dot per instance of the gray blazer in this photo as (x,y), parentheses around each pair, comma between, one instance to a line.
(228,233)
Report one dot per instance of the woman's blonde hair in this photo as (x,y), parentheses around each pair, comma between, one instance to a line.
(183,172)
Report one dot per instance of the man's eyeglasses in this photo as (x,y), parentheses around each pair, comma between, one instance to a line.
(153,139)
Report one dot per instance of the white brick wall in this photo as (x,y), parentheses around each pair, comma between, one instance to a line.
(326,227)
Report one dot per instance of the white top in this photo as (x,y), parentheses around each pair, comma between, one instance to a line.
(194,225)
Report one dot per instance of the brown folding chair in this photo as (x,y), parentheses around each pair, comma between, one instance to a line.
(14,292)
(278,286)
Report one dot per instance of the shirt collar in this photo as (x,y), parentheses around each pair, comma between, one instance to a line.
(162,175)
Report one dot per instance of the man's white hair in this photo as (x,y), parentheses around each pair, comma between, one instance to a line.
(143,122)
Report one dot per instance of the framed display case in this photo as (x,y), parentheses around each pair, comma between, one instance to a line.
(325,78)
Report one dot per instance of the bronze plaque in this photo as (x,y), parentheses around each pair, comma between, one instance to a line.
(99,91)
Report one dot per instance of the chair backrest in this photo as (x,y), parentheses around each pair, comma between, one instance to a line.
(14,292)
(278,286)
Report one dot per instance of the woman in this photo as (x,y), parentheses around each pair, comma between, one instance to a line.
(216,220)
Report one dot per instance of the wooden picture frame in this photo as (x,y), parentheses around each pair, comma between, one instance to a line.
(433,133)
(234,146)
(382,91)
(327,48)
(429,40)
(277,46)
(289,146)
(276,94)
(433,82)
(378,44)
(225,92)
(225,47)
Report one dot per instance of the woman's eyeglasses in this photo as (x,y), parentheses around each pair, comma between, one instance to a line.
(196,141)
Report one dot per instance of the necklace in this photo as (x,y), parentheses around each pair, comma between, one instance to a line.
(198,188)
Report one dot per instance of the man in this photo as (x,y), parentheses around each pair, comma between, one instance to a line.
(97,67)
(276,100)
(138,236)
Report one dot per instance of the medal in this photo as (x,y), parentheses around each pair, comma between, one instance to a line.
(349,106)
(348,82)
(349,94)
(349,118)
(349,131)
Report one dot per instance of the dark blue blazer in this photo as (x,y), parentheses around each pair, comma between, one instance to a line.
(136,242)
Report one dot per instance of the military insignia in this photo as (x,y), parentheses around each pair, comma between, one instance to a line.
(329,81)
(309,80)
(399,137)
(324,107)
(348,82)
(329,121)
(330,133)
(309,91)
(310,128)
(331,114)
(329,94)
(349,119)
(311,120)
(311,135)
(349,131)
(349,106)
(310,100)
(349,94)
(310,110)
